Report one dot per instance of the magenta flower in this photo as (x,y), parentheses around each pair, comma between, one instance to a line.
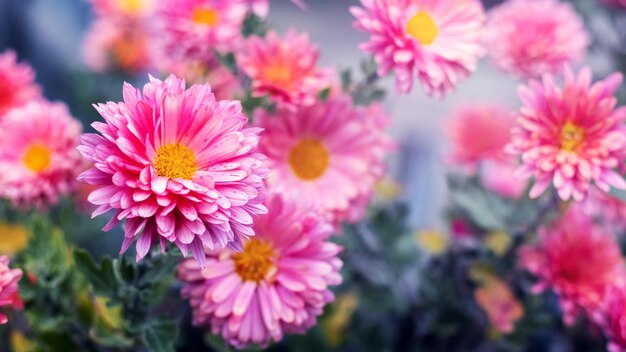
(17,83)
(9,295)
(570,136)
(613,316)
(38,156)
(178,166)
(285,69)
(437,41)
(279,283)
(528,38)
(615,3)
(328,155)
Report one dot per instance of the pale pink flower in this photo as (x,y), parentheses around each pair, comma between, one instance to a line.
(575,259)
(437,41)
(38,156)
(528,38)
(123,8)
(196,28)
(479,132)
(17,83)
(279,283)
(329,155)
(500,177)
(570,136)
(285,69)
(178,165)
(9,295)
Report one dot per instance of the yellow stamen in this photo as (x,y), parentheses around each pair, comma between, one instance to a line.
(206,16)
(572,137)
(175,161)
(279,75)
(423,28)
(309,159)
(37,158)
(255,261)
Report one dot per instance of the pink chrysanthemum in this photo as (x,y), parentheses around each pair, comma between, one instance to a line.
(38,156)
(438,41)
(195,28)
(612,318)
(177,164)
(328,155)
(279,283)
(528,38)
(123,8)
(285,69)
(570,136)
(479,132)
(17,83)
(9,295)
(558,263)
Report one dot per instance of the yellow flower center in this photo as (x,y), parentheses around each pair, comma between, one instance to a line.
(423,28)
(255,261)
(13,238)
(279,75)
(205,16)
(37,158)
(132,6)
(309,159)
(572,137)
(175,161)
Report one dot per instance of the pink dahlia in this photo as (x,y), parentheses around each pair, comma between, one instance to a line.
(17,83)
(284,69)
(38,156)
(9,295)
(123,8)
(178,166)
(195,28)
(570,136)
(329,155)
(279,283)
(556,261)
(438,41)
(480,132)
(528,38)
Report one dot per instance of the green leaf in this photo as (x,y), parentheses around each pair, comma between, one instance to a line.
(160,335)
(101,277)
(324,94)
(162,268)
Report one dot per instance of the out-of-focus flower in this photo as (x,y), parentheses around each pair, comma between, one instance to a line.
(432,241)
(570,136)
(17,83)
(610,210)
(9,295)
(613,315)
(502,307)
(498,241)
(616,3)
(13,238)
(575,259)
(479,132)
(459,228)
(528,38)
(388,189)
(329,154)
(279,283)
(38,156)
(500,177)
(112,43)
(123,8)
(437,41)
(177,164)
(285,68)
(335,323)
(195,28)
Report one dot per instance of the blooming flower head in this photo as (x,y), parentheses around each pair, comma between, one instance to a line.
(278,283)
(502,307)
(329,154)
(437,41)
(195,28)
(479,132)
(570,136)
(178,166)
(38,156)
(17,83)
(528,38)
(123,8)
(575,259)
(285,69)
(9,295)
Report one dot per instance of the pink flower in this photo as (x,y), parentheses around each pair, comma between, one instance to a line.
(123,8)
(502,307)
(500,177)
(479,132)
(610,210)
(575,259)
(570,136)
(329,154)
(528,38)
(17,83)
(616,3)
(9,295)
(612,318)
(178,165)
(437,41)
(285,69)
(195,28)
(279,283)
(38,156)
